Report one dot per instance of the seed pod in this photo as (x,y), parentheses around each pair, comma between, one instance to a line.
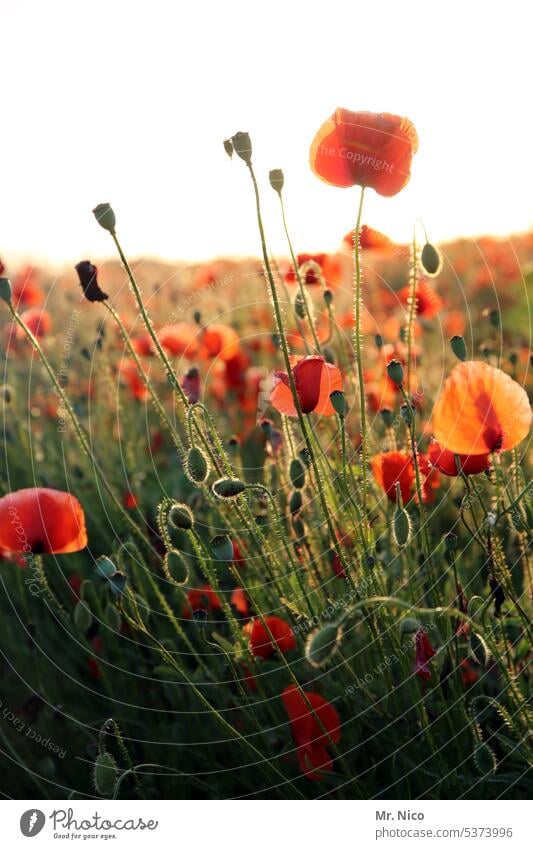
(431,260)
(83,617)
(450,541)
(242,146)
(222,548)
(485,759)
(401,526)
(322,644)
(105,774)
(458,346)
(196,465)
(395,372)
(228,147)
(478,649)
(277,179)
(180,516)
(338,402)
(175,567)
(297,473)
(228,488)
(105,216)
(112,617)
(295,501)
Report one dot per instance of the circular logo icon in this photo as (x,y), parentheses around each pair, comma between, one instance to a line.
(32,822)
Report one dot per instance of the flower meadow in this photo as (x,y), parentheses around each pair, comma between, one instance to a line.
(265,522)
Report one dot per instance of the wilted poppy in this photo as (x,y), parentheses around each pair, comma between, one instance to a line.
(392,467)
(262,644)
(315,380)
(445,462)
(313,730)
(87,273)
(481,409)
(364,149)
(42,521)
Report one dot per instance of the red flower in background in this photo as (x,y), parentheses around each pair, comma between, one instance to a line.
(26,289)
(428,302)
(424,651)
(129,374)
(202,598)
(364,149)
(179,339)
(308,730)
(37,321)
(219,340)
(444,461)
(369,239)
(261,642)
(315,381)
(392,467)
(43,521)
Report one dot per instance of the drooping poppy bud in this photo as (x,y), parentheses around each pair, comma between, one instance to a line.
(105,216)
(87,273)
(228,488)
(402,523)
(295,501)
(379,340)
(458,346)
(180,516)
(431,260)
(277,179)
(297,473)
(299,305)
(395,372)
(196,465)
(322,644)
(105,774)
(228,147)
(242,146)
(6,291)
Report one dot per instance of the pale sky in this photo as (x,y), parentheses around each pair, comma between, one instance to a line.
(129,102)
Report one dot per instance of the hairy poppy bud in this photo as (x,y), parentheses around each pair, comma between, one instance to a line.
(458,347)
(242,146)
(5,291)
(196,465)
(298,527)
(105,216)
(401,526)
(406,412)
(105,774)
(328,297)
(83,617)
(228,488)
(338,402)
(297,473)
(197,317)
(431,260)
(450,541)
(305,457)
(228,147)
(222,548)
(87,273)
(276,179)
(322,644)
(175,567)
(180,516)
(295,501)
(299,305)
(395,372)
(388,416)
(485,759)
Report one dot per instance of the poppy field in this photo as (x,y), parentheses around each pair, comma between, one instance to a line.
(265,522)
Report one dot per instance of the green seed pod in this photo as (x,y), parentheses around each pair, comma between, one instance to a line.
(105,774)
(277,179)
(228,147)
(409,625)
(338,402)
(196,465)
(228,488)
(175,567)
(6,291)
(112,618)
(401,526)
(295,501)
(395,372)
(105,216)
(297,473)
(388,416)
(478,649)
(222,548)
(485,759)
(431,260)
(458,346)
(180,516)
(322,644)
(83,617)
(242,146)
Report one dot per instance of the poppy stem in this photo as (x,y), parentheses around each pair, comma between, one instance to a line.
(358,303)
(412,309)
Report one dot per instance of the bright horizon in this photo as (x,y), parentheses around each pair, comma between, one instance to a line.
(131,103)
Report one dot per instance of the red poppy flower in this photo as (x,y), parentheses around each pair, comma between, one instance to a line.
(428,302)
(369,239)
(191,385)
(480,410)
(424,651)
(469,674)
(130,500)
(143,345)
(394,467)
(315,381)
(430,479)
(311,274)
(129,374)
(240,602)
(202,598)
(312,730)
(43,521)
(444,461)
(37,321)
(26,289)
(260,640)
(364,149)
(219,340)
(179,339)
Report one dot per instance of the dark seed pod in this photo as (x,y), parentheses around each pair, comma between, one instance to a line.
(196,465)
(338,402)
(297,473)
(105,774)
(328,297)
(431,260)
(388,416)
(277,179)
(450,541)
(395,372)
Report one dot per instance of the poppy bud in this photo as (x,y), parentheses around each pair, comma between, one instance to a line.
(112,618)
(401,525)
(297,474)
(322,644)
(478,649)
(5,290)
(196,465)
(87,274)
(175,567)
(395,372)
(458,347)
(409,626)
(494,318)
(105,774)
(105,568)
(431,260)
(105,216)
(228,147)
(242,146)
(485,759)
(388,416)
(299,305)
(200,617)
(450,541)
(338,402)
(222,548)
(180,516)
(298,527)
(305,457)
(197,316)
(276,179)
(379,340)
(228,488)
(295,501)
(83,617)
(328,297)
(406,412)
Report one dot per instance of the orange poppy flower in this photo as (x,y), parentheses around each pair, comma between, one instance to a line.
(42,521)
(179,339)
(308,730)
(37,321)
(444,461)
(394,467)
(26,289)
(315,381)
(261,643)
(364,149)
(129,374)
(481,409)
(369,239)
(219,340)
(428,301)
